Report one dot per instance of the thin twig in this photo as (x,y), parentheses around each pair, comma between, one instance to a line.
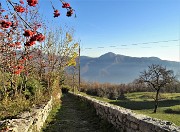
(18,14)
(62,1)
(52,5)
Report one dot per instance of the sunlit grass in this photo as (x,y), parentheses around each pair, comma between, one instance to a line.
(143,103)
(161,114)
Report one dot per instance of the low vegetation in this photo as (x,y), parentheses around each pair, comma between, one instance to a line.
(117,91)
(143,103)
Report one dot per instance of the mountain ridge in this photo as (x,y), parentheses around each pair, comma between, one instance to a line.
(152,57)
(116,68)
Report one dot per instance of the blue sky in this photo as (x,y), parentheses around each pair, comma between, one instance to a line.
(122,26)
(121,23)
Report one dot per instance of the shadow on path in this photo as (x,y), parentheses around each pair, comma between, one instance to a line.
(77,116)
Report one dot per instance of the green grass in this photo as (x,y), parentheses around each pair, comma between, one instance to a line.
(52,115)
(143,103)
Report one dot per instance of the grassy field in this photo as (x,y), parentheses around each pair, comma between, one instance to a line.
(143,103)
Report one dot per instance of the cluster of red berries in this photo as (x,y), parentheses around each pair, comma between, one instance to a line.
(11,45)
(5,24)
(69,12)
(16,45)
(69,9)
(38,37)
(34,37)
(19,8)
(28,33)
(65,5)
(32,2)
(56,13)
(21,61)
(18,69)
(30,43)
(24,58)
(17,72)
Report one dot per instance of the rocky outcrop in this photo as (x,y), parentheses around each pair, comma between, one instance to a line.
(28,121)
(127,121)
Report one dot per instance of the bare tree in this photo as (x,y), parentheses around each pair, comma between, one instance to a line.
(157,77)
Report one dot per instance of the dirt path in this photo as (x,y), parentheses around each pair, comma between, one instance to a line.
(76,116)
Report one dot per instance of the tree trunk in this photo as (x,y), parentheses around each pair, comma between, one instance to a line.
(156,100)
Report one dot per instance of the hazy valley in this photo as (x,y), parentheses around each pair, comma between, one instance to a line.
(115,68)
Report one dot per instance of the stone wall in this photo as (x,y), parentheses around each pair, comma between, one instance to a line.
(127,121)
(28,121)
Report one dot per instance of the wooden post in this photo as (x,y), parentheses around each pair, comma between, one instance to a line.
(79,69)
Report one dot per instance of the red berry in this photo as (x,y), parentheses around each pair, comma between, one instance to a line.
(69,12)
(56,13)
(19,9)
(30,43)
(66,5)
(28,33)
(21,1)
(32,2)
(5,24)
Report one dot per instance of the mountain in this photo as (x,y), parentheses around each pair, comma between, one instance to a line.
(114,68)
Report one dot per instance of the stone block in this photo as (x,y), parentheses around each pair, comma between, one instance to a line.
(132,117)
(145,126)
(130,130)
(134,125)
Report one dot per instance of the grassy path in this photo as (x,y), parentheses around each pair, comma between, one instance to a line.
(75,116)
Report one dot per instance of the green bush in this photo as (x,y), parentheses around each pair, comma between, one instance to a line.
(33,89)
(92,92)
(10,109)
(65,88)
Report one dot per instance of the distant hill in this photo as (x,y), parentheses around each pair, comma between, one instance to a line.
(116,68)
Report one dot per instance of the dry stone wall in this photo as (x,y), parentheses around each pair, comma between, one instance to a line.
(127,121)
(28,121)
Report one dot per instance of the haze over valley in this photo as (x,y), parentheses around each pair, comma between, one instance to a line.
(116,68)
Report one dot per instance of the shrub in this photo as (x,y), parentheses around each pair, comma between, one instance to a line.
(10,109)
(65,88)
(92,92)
(33,89)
